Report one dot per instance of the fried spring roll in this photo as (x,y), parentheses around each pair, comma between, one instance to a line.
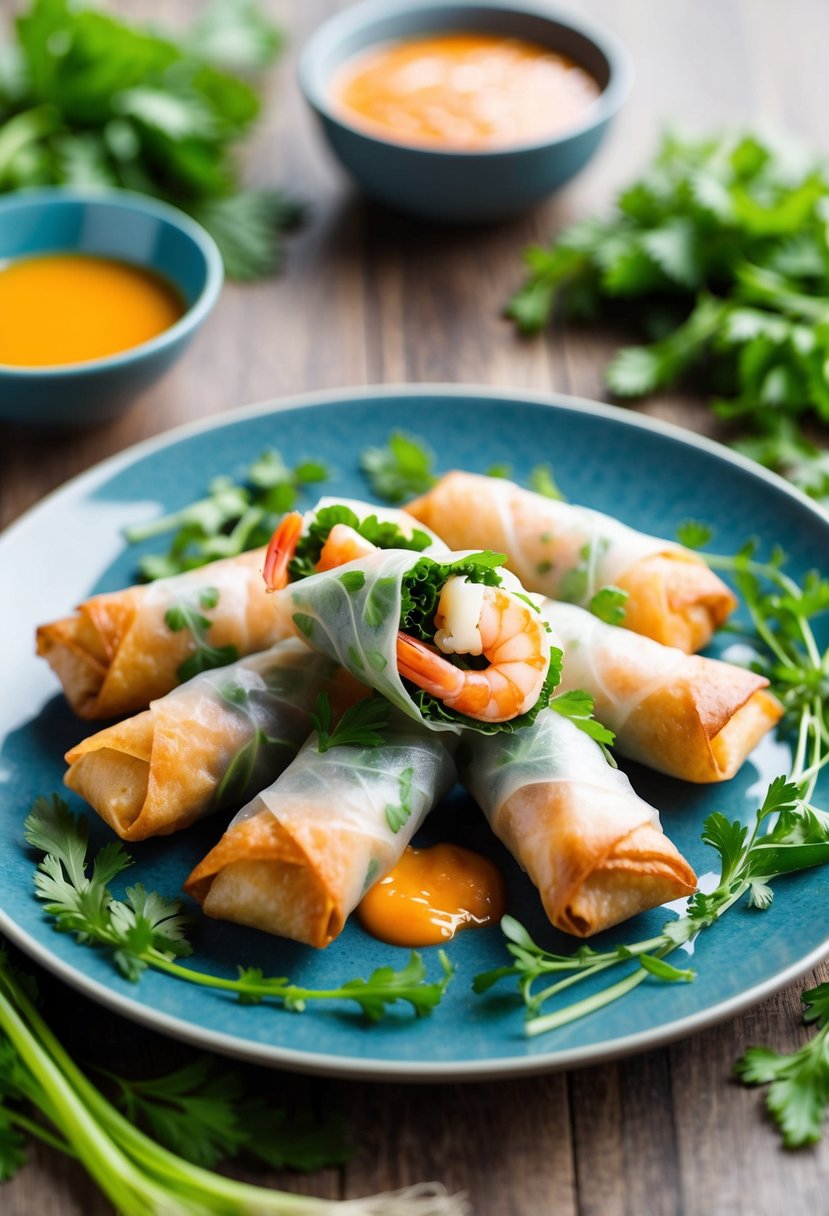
(685,715)
(569,553)
(298,859)
(125,648)
(595,851)
(208,745)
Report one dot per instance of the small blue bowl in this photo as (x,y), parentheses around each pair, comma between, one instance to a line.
(448,184)
(115,224)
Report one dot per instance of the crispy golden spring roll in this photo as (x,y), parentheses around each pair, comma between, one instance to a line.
(569,553)
(208,745)
(690,717)
(595,851)
(298,859)
(125,648)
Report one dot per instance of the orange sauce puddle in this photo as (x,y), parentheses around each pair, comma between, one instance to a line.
(431,894)
(73,307)
(463,90)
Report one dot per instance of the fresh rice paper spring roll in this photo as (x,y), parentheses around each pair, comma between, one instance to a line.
(595,851)
(208,745)
(123,649)
(568,553)
(413,627)
(685,715)
(297,860)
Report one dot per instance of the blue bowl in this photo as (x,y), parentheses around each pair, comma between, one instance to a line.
(448,184)
(115,224)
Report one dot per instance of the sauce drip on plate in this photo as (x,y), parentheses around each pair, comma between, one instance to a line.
(431,894)
(463,90)
(72,307)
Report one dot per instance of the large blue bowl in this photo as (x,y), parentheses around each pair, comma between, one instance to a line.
(115,224)
(448,184)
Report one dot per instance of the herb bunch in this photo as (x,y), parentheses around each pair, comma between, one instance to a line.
(198,1119)
(146,930)
(89,101)
(717,253)
(789,834)
(233,517)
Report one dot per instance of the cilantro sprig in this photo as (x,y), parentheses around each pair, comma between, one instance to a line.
(87,100)
(718,252)
(233,517)
(196,1118)
(361,725)
(188,614)
(146,930)
(789,834)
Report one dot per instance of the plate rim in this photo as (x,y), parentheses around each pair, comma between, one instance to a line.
(326,1064)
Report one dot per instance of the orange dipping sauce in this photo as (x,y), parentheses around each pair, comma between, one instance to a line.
(71,307)
(463,90)
(431,894)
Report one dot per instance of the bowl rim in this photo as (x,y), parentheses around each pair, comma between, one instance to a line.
(127,201)
(364,15)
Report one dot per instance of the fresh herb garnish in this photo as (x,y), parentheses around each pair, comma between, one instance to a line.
(383,533)
(199,1118)
(234,517)
(400,470)
(362,725)
(541,481)
(718,252)
(189,614)
(147,930)
(608,604)
(399,813)
(578,707)
(789,834)
(798,1095)
(93,101)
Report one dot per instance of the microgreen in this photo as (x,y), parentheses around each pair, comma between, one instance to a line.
(145,930)
(718,252)
(361,725)
(96,102)
(233,517)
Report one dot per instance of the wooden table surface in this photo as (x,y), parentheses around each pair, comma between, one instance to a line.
(366,297)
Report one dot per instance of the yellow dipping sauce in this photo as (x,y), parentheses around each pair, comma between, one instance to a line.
(431,894)
(71,307)
(463,90)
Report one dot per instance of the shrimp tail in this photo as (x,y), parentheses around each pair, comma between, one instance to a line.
(281,550)
(428,670)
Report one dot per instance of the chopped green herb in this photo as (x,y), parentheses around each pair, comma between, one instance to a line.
(400,470)
(398,815)
(362,725)
(578,707)
(186,614)
(693,534)
(234,517)
(541,480)
(608,604)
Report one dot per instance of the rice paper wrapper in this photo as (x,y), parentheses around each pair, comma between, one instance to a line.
(352,614)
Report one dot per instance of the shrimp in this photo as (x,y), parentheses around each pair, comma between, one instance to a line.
(513,637)
(471,619)
(343,544)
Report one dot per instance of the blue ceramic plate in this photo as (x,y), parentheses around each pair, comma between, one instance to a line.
(651,476)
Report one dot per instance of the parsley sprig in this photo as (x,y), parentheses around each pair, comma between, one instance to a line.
(718,254)
(146,930)
(197,1117)
(789,834)
(233,517)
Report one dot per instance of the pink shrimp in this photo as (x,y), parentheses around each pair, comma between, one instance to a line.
(343,544)
(516,642)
